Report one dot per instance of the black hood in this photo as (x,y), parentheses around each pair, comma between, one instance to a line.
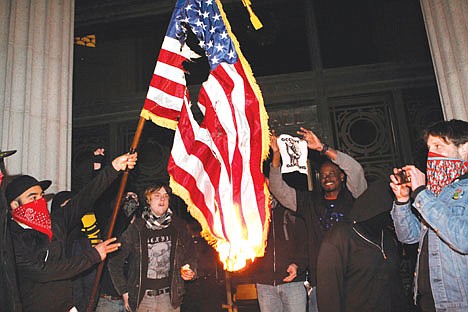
(375,200)
(59,199)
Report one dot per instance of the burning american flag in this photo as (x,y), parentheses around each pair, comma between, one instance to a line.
(215,166)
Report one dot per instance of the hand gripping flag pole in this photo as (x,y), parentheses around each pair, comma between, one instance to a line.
(136,139)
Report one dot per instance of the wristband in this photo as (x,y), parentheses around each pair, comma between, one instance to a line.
(325,148)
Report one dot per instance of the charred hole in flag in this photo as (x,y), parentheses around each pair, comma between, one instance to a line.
(197,71)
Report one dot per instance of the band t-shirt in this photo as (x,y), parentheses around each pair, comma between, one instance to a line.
(159,244)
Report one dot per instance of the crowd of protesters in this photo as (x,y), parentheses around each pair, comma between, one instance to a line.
(334,248)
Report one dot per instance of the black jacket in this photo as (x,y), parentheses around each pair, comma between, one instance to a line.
(286,244)
(358,263)
(311,206)
(44,270)
(135,251)
(9,293)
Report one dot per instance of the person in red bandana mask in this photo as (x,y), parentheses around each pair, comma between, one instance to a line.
(40,238)
(440,198)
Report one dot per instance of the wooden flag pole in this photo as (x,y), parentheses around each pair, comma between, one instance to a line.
(118,199)
(230,306)
(310,186)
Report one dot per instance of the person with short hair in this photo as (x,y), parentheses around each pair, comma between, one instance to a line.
(40,238)
(341,178)
(440,198)
(160,257)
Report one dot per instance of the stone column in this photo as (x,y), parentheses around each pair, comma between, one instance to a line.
(447,30)
(36,63)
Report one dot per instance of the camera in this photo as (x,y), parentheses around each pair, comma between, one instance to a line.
(402,177)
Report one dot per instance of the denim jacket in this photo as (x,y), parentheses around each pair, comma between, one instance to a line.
(445,220)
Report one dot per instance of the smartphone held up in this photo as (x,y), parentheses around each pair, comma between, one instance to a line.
(402,177)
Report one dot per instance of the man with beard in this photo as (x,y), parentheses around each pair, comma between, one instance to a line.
(441,227)
(320,209)
(40,238)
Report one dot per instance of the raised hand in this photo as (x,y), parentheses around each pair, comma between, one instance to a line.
(416,176)
(401,191)
(313,142)
(274,141)
(124,161)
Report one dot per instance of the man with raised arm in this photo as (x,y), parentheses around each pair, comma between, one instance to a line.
(319,208)
(39,238)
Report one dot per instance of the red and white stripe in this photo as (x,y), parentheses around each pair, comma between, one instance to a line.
(216,166)
(167,88)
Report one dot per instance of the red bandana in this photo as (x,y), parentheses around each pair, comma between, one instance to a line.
(1,177)
(36,215)
(441,171)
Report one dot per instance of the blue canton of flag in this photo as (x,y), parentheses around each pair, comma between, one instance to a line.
(214,166)
(207,24)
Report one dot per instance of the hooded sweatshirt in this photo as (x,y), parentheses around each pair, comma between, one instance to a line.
(358,262)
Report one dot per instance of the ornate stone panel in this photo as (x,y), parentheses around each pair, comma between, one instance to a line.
(363,127)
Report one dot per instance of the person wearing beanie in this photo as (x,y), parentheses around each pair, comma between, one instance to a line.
(358,262)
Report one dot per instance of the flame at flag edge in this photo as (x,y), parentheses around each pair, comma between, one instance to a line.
(206,233)
(184,194)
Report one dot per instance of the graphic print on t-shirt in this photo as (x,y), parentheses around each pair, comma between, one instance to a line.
(159,250)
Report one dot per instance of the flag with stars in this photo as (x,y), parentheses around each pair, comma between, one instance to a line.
(215,166)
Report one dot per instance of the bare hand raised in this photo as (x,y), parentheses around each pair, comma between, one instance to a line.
(121,162)
(401,190)
(313,142)
(417,177)
(274,142)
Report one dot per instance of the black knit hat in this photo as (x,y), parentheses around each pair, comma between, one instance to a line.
(59,199)
(21,184)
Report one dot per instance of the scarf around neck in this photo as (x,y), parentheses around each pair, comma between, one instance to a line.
(441,171)
(154,222)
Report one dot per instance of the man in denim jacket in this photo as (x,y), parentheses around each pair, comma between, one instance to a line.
(441,226)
